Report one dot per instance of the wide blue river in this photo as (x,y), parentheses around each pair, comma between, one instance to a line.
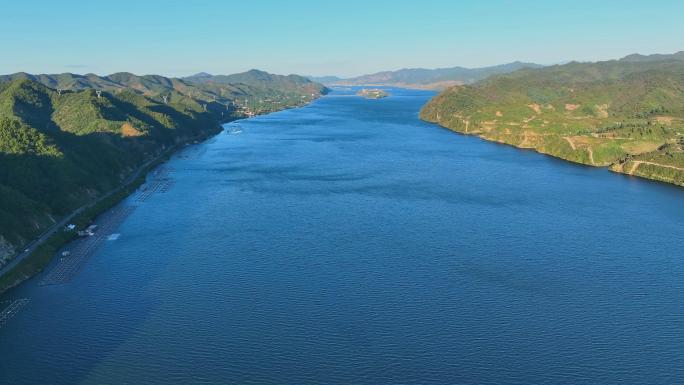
(347,242)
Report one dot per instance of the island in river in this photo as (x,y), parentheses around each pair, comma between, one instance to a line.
(373,93)
(627,114)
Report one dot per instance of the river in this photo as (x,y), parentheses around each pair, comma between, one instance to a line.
(347,242)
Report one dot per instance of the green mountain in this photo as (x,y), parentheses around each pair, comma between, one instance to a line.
(254,90)
(439,78)
(253,78)
(655,57)
(257,91)
(62,144)
(626,114)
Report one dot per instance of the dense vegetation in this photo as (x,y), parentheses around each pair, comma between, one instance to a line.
(626,114)
(251,92)
(66,139)
(438,78)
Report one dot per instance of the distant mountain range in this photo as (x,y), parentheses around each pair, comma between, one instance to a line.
(439,78)
(625,114)
(655,57)
(328,80)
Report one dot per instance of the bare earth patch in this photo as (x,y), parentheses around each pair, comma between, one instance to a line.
(664,119)
(582,142)
(602,110)
(127,130)
(535,107)
(571,142)
(636,148)
(637,163)
(571,107)
(591,155)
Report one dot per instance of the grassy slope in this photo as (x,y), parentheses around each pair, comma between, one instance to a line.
(626,115)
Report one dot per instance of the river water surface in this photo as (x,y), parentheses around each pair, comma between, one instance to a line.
(347,242)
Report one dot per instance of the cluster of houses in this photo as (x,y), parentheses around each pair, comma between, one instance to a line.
(87,232)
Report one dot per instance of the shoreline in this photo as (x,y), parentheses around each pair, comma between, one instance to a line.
(613,167)
(37,260)
(44,252)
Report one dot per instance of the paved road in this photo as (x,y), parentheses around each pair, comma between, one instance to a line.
(31,247)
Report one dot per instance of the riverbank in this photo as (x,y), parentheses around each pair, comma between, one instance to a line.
(64,149)
(34,262)
(638,165)
(599,114)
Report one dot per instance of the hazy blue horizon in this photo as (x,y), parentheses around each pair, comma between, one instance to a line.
(176,38)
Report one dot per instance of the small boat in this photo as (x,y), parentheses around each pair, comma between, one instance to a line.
(66,253)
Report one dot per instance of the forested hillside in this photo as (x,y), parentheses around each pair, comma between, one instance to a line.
(627,115)
(253,91)
(65,139)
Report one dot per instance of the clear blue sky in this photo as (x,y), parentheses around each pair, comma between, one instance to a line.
(345,37)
